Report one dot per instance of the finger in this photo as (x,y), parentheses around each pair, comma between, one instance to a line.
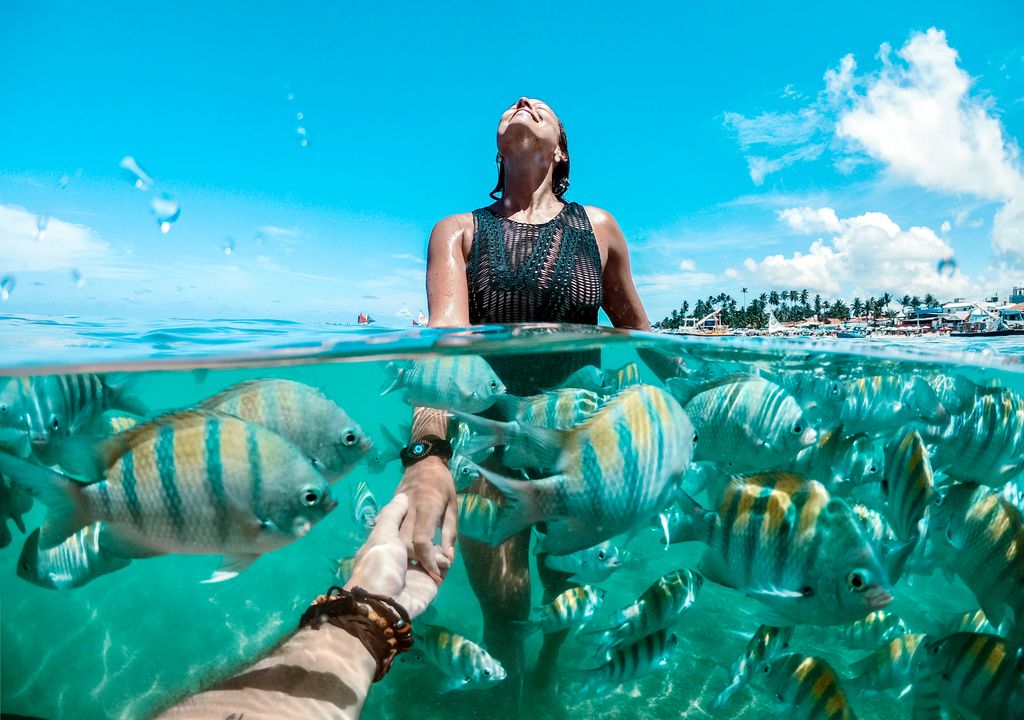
(408,529)
(449,529)
(426,554)
(390,518)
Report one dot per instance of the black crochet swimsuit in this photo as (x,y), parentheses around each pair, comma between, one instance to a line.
(518,272)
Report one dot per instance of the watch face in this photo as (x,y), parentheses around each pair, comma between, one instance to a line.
(418,448)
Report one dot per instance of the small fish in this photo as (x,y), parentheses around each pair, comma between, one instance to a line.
(588,377)
(660,606)
(766,644)
(382,455)
(890,667)
(820,396)
(871,631)
(569,610)
(15,394)
(975,622)
(804,687)
(590,565)
(744,423)
(907,485)
(839,461)
(616,470)
(79,559)
(300,414)
(192,482)
(979,536)
(463,662)
(985,445)
(893,552)
(556,410)
(784,541)
(477,517)
(648,654)
(15,501)
(464,471)
(364,507)
(880,403)
(972,673)
(463,382)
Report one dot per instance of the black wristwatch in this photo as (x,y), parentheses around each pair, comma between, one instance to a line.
(424,448)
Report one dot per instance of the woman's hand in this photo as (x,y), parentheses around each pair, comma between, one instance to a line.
(432,504)
(382,564)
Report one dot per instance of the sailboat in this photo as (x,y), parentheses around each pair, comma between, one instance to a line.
(774,326)
(420,321)
(365,319)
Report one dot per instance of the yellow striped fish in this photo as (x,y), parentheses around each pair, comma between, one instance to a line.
(617,470)
(194,482)
(648,654)
(783,540)
(571,609)
(907,484)
(477,517)
(979,535)
(464,663)
(986,444)
(879,403)
(300,414)
(971,673)
(364,507)
(890,667)
(79,559)
(556,410)
(459,382)
(766,644)
(871,631)
(804,688)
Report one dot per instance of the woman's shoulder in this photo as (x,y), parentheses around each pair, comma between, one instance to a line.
(598,216)
(458,221)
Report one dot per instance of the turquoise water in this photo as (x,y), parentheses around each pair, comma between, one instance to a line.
(131,642)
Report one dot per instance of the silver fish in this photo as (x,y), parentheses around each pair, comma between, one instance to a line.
(870,631)
(985,445)
(571,609)
(464,663)
(804,687)
(766,644)
(880,403)
(79,559)
(908,484)
(648,654)
(364,507)
(462,382)
(593,565)
(890,667)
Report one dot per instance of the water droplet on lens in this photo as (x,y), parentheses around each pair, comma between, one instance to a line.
(63,182)
(299,116)
(166,209)
(139,176)
(303,136)
(41,222)
(258,239)
(77,279)
(7,286)
(229,245)
(289,97)
(947,266)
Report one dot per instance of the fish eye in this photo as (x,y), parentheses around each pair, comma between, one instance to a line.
(349,438)
(806,591)
(857,581)
(873,469)
(695,437)
(797,429)
(487,673)
(3,409)
(310,497)
(54,422)
(600,555)
(494,384)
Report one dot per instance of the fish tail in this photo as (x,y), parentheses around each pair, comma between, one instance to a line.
(63,496)
(521,508)
(394,379)
(726,695)
(124,394)
(485,434)
(693,524)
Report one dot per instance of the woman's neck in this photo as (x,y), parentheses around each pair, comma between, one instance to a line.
(528,190)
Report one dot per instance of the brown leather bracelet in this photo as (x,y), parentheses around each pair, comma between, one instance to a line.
(380,623)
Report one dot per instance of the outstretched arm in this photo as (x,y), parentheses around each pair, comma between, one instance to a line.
(621,301)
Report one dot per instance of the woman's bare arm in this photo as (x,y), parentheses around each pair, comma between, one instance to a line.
(621,301)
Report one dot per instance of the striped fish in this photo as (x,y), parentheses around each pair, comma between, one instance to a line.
(839,461)
(623,377)
(890,667)
(972,673)
(819,395)
(77,560)
(588,377)
(744,423)
(460,382)
(15,501)
(300,414)
(781,539)
(617,470)
(880,403)
(804,688)
(570,609)
(590,565)
(477,517)
(556,410)
(364,507)
(871,631)
(975,622)
(463,662)
(659,606)
(464,471)
(985,445)
(893,553)
(766,644)
(979,535)
(193,482)
(648,654)
(15,396)
(907,485)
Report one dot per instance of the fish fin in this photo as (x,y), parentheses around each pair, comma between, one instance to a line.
(68,509)
(453,685)
(923,398)
(16,442)
(123,388)
(723,697)
(696,522)
(895,558)
(230,567)
(19,522)
(385,455)
(79,457)
(521,508)
(486,434)
(393,382)
(683,389)
(543,447)
(507,406)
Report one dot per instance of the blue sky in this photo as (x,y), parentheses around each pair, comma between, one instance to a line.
(836,147)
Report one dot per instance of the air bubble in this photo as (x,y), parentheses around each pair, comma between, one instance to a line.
(303,136)
(7,286)
(947,266)
(166,209)
(229,245)
(258,239)
(41,223)
(299,116)
(140,177)
(77,279)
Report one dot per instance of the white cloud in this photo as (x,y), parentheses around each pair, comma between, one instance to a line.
(732,273)
(761,167)
(778,129)
(687,265)
(867,255)
(945,227)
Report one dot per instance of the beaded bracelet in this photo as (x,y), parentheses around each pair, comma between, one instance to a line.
(380,623)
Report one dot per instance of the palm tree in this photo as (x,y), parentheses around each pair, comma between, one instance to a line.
(744,291)
(840,310)
(885,300)
(763,297)
(858,307)
(870,307)
(930,300)
(804,295)
(904,301)
(773,298)
(685,309)
(817,304)
(915,302)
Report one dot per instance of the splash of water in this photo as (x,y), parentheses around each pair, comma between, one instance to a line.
(142,179)
(7,287)
(166,209)
(229,245)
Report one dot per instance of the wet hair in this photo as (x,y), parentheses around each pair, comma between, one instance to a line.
(559,175)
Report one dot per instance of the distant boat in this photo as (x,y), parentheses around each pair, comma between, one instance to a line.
(988,333)
(365,319)
(420,321)
(852,334)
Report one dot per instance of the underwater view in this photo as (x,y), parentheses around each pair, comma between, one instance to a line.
(743,526)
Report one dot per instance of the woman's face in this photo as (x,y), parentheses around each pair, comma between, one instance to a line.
(528,121)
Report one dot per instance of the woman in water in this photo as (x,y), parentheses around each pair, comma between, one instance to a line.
(531,256)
